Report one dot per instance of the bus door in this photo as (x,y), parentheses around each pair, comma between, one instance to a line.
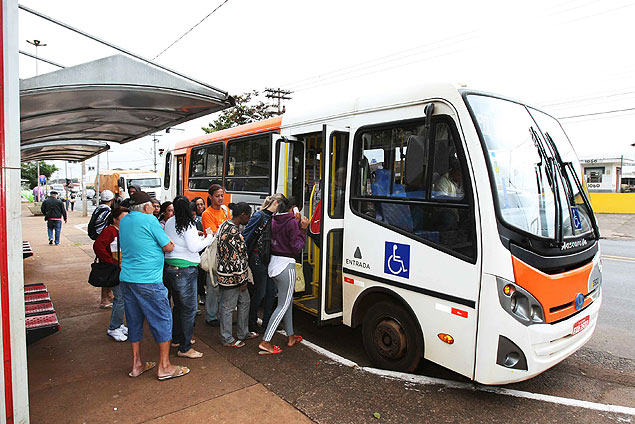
(180,165)
(333,187)
(289,168)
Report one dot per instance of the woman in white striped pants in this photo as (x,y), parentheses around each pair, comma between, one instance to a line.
(288,237)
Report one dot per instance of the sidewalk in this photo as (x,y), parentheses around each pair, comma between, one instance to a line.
(80,374)
(616,226)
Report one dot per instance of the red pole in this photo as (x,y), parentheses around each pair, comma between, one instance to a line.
(4,266)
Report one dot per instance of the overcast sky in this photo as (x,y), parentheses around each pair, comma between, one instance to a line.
(573,58)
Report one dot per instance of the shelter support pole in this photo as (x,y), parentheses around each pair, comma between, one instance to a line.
(84,200)
(38,181)
(14,390)
(97,179)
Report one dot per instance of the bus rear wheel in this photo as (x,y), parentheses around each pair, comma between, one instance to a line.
(390,337)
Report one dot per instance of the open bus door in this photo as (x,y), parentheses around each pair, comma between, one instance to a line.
(323,265)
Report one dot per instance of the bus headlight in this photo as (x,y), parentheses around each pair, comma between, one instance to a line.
(519,303)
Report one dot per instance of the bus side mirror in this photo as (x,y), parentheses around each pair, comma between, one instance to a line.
(121,183)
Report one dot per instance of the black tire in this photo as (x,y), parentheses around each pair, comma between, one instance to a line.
(391,337)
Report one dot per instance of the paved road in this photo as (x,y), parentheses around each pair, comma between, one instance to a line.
(603,371)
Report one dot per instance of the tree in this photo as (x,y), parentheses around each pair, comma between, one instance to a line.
(242,113)
(29,171)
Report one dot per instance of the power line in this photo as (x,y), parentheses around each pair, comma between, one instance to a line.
(319,80)
(190,30)
(121,49)
(606,112)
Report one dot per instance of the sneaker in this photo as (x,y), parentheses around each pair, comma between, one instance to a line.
(117,334)
(124,329)
(50,241)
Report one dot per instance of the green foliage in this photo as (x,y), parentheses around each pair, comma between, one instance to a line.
(29,171)
(242,113)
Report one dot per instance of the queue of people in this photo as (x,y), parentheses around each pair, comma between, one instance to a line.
(160,253)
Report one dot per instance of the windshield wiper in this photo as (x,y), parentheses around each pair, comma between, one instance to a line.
(553,182)
(572,172)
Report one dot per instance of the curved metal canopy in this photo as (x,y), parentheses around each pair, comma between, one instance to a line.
(79,150)
(115,99)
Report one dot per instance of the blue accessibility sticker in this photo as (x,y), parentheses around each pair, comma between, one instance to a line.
(577,222)
(397,259)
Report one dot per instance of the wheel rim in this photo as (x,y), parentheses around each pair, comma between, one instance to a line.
(390,339)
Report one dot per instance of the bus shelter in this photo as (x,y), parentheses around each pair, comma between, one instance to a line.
(70,114)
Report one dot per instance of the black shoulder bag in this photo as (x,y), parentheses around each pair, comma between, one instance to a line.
(103,274)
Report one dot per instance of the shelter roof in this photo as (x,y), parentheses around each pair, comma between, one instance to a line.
(114,99)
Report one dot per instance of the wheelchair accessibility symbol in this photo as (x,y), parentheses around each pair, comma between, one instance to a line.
(397,259)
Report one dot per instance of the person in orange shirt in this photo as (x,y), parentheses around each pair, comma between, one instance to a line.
(215,214)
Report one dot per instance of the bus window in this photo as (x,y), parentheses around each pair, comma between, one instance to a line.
(337,177)
(206,166)
(447,177)
(166,174)
(416,185)
(249,165)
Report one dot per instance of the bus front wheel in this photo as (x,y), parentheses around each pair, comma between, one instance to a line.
(390,337)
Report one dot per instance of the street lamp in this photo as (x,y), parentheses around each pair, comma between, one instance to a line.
(36,43)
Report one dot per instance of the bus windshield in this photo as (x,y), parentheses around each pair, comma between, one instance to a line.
(145,182)
(534,169)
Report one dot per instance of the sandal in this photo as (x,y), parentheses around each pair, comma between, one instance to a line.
(253,335)
(146,367)
(236,343)
(192,354)
(297,339)
(178,372)
(276,350)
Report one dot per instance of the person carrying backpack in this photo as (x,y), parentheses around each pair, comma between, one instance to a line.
(98,221)
(257,236)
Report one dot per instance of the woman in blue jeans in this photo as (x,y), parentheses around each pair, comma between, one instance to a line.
(181,272)
(107,250)
(264,289)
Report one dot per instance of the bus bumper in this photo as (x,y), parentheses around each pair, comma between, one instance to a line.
(541,345)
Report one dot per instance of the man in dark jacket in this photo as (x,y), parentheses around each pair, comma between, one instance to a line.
(54,210)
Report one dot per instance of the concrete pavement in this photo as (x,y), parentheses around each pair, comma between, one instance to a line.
(615,226)
(80,375)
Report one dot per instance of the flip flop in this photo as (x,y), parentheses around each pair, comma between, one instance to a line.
(236,343)
(298,339)
(147,367)
(178,372)
(276,350)
(253,335)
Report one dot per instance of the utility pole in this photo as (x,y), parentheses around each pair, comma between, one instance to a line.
(155,140)
(36,43)
(278,94)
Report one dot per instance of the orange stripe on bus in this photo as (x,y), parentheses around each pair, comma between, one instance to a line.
(554,290)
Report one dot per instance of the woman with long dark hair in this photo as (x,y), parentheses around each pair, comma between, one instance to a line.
(181,271)
(264,289)
(107,250)
(288,237)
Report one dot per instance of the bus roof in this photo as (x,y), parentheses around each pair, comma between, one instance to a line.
(271,124)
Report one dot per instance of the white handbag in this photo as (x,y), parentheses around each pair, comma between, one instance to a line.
(209,260)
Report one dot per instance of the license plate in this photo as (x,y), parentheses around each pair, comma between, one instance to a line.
(580,325)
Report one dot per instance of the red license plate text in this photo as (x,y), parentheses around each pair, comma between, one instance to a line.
(580,325)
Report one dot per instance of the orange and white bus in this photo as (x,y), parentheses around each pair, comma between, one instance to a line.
(454,224)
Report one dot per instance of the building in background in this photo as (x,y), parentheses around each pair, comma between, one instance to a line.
(608,173)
